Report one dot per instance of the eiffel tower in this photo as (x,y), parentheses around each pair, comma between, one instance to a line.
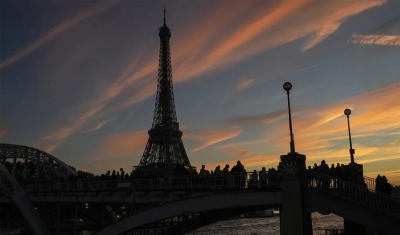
(165,139)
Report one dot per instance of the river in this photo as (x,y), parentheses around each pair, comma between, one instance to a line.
(264,225)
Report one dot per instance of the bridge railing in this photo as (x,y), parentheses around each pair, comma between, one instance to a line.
(216,181)
(72,186)
(354,192)
(371,183)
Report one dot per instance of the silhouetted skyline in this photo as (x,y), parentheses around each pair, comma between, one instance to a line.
(78,80)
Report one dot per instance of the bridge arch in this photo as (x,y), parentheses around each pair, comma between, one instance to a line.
(247,199)
(41,158)
(11,187)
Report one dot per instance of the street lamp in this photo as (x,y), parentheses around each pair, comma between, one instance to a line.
(287,86)
(347,112)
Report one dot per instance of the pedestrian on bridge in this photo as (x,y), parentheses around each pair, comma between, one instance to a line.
(324,170)
(263,177)
(240,174)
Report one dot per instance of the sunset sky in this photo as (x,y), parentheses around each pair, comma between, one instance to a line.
(78,80)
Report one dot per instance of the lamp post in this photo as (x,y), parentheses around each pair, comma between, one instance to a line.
(347,112)
(287,86)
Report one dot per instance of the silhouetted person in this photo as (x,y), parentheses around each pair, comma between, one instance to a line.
(309,177)
(203,172)
(217,170)
(324,170)
(316,179)
(263,177)
(386,187)
(378,183)
(254,179)
(240,174)
(226,169)
(332,173)
(339,175)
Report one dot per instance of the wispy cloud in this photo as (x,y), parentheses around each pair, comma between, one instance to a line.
(321,132)
(332,21)
(98,126)
(203,50)
(383,40)
(213,136)
(56,31)
(259,119)
(244,83)
(55,139)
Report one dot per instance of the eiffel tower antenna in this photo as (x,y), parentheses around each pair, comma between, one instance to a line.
(165,139)
(164,17)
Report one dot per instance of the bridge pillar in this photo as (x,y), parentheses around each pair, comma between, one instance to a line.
(354,172)
(294,218)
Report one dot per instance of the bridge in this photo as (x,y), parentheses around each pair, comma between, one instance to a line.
(180,204)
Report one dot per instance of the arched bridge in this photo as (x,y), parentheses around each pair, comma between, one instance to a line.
(10,186)
(180,204)
(188,203)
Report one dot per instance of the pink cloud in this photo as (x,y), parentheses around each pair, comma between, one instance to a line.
(211,137)
(120,145)
(244,83)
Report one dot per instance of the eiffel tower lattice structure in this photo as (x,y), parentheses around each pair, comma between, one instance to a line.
(165,139)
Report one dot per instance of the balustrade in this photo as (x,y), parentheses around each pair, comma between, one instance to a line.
(365,195)
(215,181)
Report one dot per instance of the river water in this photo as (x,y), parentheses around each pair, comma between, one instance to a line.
(263,225)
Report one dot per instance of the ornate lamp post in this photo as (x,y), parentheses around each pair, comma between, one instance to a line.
(287,86)
(347,112)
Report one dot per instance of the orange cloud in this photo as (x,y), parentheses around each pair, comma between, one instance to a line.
(205,49)
(318,129)
(244,83)
(56,31)
(211,137)
(259,119)
(332,21)
(383,40)
(120,145)
(249,158)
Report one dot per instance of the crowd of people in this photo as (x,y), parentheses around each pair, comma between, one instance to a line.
(237,175)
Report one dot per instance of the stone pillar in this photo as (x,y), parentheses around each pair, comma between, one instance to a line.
(294,219)
(352,172)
